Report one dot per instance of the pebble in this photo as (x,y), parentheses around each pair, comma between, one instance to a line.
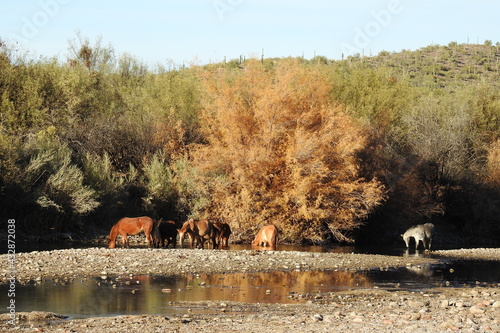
(317,317)
(415,316)
(416,304)
(448,325)
(476,310)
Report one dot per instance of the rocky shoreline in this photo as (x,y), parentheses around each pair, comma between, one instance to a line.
(470,308)
(72,263)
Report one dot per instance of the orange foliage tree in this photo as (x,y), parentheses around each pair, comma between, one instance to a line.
(278,151)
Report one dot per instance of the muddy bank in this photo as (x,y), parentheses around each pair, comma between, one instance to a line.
(469,308)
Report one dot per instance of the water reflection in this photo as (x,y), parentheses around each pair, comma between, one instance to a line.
(159,295)
(458,274)
(274,287)
(155,295)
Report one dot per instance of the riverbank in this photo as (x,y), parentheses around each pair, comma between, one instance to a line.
(470,308)
(72,263)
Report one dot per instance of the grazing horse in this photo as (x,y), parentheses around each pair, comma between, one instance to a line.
(224,233)
(165,230)
(420,233)
(131,226)
(267,236)
(199,230)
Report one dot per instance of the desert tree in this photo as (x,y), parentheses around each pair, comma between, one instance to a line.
(280,152)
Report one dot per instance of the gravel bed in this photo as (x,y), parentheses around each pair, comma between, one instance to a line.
(72,263)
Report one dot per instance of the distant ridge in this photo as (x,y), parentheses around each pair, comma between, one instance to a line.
(445,65)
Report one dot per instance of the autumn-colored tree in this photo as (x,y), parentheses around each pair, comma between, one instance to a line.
(279,152)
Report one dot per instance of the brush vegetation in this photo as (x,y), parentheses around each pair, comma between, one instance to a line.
(326,150)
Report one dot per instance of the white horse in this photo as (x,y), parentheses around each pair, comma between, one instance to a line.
(421,233)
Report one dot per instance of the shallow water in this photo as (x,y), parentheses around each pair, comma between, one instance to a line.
(105,296)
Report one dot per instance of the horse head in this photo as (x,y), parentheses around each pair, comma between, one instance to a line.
(182,231)
(111,243)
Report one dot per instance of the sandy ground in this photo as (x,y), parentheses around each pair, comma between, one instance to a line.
(444,309)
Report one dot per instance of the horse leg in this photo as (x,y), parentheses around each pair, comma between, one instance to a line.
(427,244)
(214,243)
(125,240)
(191,239)
(417,243)
(149,239)
(407,241)
(199,243)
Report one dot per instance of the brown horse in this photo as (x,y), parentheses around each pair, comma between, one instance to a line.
(131,226)
(165,230)
(199,230)
(224,233)
(267,236)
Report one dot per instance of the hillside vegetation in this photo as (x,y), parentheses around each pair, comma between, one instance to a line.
(348,150)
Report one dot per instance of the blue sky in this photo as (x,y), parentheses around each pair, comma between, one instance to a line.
(203,31)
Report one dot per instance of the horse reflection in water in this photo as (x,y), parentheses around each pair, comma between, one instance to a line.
(276,286)
(421,270)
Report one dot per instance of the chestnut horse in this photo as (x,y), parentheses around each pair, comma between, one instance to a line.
(267,236)
(131,226)
(224,233)
(165,230)
(199,230)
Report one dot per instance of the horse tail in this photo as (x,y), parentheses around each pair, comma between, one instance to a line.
(155,234)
